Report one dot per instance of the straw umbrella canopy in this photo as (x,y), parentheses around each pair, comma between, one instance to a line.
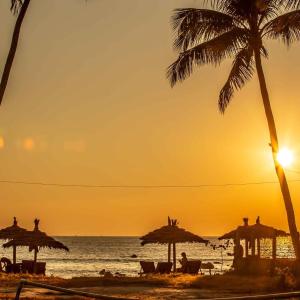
(171,234)
(254,232)
(35,240)
(12,232)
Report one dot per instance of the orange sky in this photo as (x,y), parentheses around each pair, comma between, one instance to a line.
(88,103)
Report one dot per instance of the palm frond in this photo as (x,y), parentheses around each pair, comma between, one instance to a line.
(291,4)
(210,52)
(242,70)
(268,9)
(244,10)
(15,5)
(285,27)
(264,52)
(197,25)
(241,9)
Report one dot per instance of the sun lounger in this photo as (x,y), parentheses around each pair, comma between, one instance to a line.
(40,268)
(207,266)
(16,268)
(28,267)
(147,267)
(193,267)
(164,268)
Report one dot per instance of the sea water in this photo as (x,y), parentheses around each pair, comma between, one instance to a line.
(89,255)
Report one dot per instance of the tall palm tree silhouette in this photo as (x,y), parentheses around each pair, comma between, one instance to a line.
(18,7)
(237,29)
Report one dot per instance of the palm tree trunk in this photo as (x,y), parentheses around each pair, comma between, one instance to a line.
(13,49)
(274,145)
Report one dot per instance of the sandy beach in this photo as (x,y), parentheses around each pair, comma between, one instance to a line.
(156,287)
(149,149)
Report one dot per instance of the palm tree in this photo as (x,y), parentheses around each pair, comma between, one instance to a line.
(17,7)
(237,29)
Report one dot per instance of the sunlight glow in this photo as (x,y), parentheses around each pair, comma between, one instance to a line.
(285,157)
(2,143)
(28,144)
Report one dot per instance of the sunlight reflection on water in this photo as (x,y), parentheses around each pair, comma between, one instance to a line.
(89,255)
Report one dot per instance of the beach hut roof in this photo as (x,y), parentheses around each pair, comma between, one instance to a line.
(257,230)
(12,231)
(171,234)
(36,239)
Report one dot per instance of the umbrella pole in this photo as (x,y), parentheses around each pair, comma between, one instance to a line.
(35,259)
(274,246)
(14,254)
(253,247)
(169,252)
(174,257)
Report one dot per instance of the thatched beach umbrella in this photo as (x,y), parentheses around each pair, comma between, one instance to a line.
(12,232)
(35,240)
(252,233)
(171,234)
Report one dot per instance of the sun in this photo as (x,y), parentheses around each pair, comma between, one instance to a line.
(285,157)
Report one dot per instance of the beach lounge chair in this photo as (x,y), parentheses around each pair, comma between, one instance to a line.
(147,267)
(164,268)
(193,267)
(207,266)
(16,268)
(28,267)
(40,268)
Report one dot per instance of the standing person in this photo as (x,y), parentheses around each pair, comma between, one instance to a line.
(238,253)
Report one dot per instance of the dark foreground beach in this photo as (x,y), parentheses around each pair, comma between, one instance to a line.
(155,287)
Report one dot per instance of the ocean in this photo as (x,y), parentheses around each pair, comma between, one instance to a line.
(89,255)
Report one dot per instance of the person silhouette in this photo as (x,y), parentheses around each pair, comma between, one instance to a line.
(238,253)
(183,261)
